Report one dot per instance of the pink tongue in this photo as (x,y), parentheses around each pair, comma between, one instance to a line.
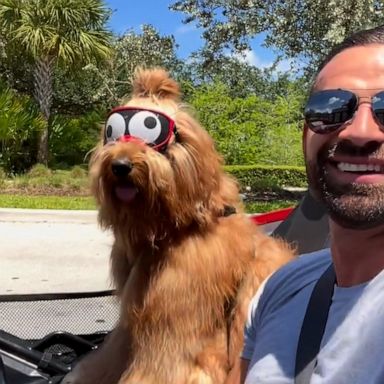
(126,194)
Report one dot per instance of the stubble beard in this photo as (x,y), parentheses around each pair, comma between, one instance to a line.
(354,206)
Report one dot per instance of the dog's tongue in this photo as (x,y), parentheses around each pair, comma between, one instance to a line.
(126,194)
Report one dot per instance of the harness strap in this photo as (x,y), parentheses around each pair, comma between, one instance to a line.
(313,326)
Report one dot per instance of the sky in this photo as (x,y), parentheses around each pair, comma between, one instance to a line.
(128,15)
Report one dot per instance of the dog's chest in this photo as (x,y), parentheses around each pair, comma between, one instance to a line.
(176,296)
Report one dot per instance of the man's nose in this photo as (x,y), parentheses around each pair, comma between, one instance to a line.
(363,128)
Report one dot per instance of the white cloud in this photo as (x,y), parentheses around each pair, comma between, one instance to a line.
(286,65)
(252,58)
(185,28)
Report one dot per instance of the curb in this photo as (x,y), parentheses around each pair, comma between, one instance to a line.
(48,215)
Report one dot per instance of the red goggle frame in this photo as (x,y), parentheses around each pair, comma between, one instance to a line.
(126,123)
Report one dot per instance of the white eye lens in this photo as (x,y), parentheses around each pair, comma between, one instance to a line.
(115,127)
(146,126)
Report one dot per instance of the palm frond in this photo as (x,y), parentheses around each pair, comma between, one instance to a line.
(70,30)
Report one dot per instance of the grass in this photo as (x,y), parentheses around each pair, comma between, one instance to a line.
(267,206)
(47,202)
(44,188)
(87,202)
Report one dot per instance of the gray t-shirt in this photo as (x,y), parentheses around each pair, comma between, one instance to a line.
(352,349)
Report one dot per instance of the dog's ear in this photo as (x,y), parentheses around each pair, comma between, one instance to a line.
(155,82)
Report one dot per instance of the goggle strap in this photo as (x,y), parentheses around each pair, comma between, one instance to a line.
(177,135)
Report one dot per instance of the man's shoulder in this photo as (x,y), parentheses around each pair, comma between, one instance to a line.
(308,266)
(305,270)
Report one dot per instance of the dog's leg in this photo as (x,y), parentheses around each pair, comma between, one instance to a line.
(105,365)
(270,255)
(120,265)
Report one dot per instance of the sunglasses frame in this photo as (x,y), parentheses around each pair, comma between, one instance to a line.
(329,128)
(157,147)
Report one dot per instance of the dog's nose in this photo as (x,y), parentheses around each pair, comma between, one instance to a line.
(121,167)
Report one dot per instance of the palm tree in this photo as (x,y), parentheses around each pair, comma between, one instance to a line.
(55,32)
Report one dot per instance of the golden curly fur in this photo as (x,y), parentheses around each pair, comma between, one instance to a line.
(183,269)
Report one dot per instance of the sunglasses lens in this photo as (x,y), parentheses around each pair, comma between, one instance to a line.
(378,107)
(327,110)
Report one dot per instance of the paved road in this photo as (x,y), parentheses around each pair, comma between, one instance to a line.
(52,251)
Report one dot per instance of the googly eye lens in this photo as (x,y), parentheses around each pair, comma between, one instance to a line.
(115,127)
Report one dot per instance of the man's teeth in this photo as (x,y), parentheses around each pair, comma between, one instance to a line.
(348,167)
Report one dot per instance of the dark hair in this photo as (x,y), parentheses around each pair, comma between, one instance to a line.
(360,38)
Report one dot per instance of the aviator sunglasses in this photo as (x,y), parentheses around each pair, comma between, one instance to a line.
(326,111)
(131,123)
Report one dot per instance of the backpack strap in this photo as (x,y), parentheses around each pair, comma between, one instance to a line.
(313,326)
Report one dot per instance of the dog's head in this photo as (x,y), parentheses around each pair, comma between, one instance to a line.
(156,170)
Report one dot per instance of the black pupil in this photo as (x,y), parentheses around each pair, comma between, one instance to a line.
(109,131)
(150,122)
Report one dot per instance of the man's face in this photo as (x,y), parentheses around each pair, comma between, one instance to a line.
(346,168)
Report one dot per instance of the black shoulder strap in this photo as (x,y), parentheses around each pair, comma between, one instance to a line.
(2,372)
(313,326)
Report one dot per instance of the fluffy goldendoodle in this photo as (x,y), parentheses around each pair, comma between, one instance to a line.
(186,259)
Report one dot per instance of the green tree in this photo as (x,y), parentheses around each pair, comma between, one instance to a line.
(147,49)
(20,124)
(304,29)
(241,77)
(73,138)
(78,92)
(63,32)
(252,129)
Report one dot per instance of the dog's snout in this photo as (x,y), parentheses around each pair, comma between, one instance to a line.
(121,167)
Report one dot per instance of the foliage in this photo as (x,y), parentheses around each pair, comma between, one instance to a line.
(68,30)
(102,84)
(252,129)
(305,29)
(81,91)
(20,124)
(39,170)
(240,77)
(64,32)
(131,50)
(73,138)
(264,177)
(3,176)
(41,180)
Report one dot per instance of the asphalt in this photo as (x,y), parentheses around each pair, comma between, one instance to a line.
(50,251)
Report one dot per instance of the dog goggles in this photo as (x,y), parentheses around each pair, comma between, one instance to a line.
(131,123)
(326,111)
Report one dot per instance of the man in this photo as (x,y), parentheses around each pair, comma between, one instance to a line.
(344,151)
